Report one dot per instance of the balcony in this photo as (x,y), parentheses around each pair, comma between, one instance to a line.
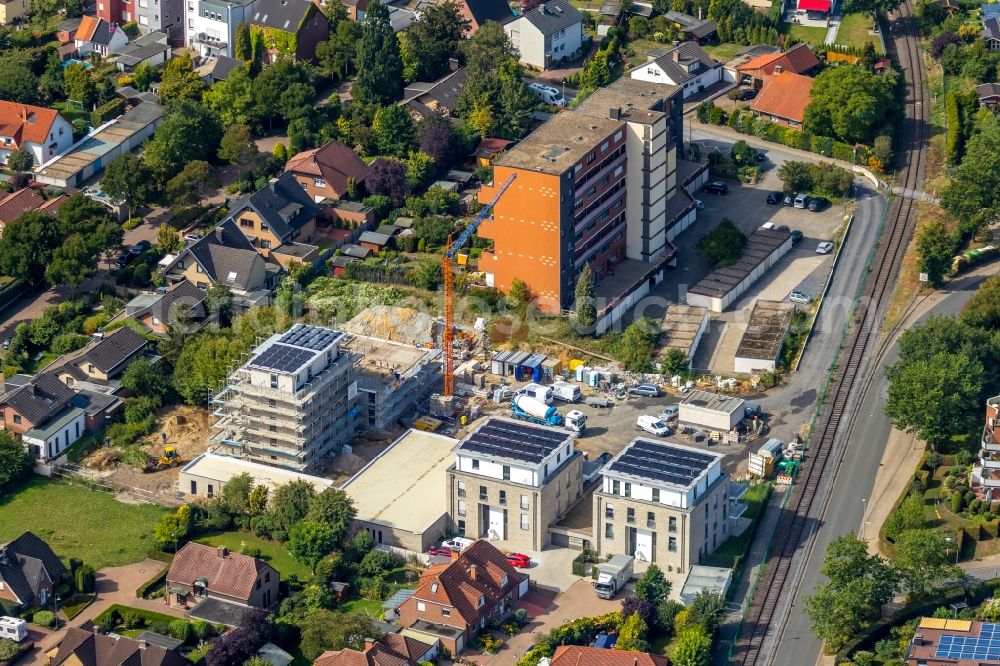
(203,38)
(991,439)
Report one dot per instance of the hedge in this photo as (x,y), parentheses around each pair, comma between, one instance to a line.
(120,612)
(157,554)
(83,579)
(153,584)
(110,109)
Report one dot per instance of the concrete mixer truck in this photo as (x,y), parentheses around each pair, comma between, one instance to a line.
(528,408)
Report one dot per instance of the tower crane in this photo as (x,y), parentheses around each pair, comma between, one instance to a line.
(450,250)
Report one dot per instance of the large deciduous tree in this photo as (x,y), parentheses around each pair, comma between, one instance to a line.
(850,104)
(334,508)
(189,186)
(187,132)
(387,177)
(380,67)
(935,250)
(693,647)
(924,559)
(310,541)
(18,82)
(394,130)
(129,181)
(27,244)
(433,40)
(15,463)
(325,630)
(970,197)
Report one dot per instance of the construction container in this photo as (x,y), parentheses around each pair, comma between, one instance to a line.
(762,461)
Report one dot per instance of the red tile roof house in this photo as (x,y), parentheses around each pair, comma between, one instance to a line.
(84,646)
(42,132)
(455,601)
(29,571)
(323,171)
(16,204)
(220,580)
(799,60)
(784,98)
(387,650)
(576,655)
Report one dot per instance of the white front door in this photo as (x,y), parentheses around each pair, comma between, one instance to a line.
(496,530)
(643,545)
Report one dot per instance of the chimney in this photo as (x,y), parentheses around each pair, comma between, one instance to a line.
(472,572)
(700,17)
(541,8)
(142,644)
(778,69)
(223,551)
(453,64)
(369,644)
(615,113)
(677,55)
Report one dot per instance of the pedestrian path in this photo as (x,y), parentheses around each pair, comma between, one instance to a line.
(831,32)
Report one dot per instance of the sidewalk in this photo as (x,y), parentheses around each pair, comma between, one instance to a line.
(900,459)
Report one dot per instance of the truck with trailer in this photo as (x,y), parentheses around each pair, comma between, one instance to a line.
(613,575)
(527,408)
(566,391)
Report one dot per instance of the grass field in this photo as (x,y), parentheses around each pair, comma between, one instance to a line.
(805,33)
(271,552)
(78,522)
(853,31)
(723,52)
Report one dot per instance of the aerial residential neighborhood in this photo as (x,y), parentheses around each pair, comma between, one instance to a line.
(534,333)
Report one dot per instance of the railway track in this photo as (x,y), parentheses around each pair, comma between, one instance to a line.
(775,590)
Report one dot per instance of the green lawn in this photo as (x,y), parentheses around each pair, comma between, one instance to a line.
(805,33)
(78,522)
(370,608)
(724,52)
(853,31)
(76,604)
(271,552)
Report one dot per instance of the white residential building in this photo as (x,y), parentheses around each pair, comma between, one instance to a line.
(547,35)
(686,66)
(42,132)
(211,25)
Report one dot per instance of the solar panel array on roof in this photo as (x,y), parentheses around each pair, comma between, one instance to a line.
(517,441)
(310,337)
(660,462)
(984,647)
(283,358)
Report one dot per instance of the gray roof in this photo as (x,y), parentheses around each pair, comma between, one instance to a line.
(400,19)
(61,420)
(282,203)
(445,91)
(695,26)
(991,28)
(352,250)
(489,10)
(143,48)
(223,66)
(22,562)
(182,293)
(221,253)
(691,56)
(38,400)
(285,15)
(69,25)
(219,611)
(114,350)
(93,403)
(988,90)
(375,238)
(554,15)
(154,638)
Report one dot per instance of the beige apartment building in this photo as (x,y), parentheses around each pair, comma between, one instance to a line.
(511,480)
(664,503)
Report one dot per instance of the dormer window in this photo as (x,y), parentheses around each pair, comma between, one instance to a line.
(503,581)
(482,602)
(434,588)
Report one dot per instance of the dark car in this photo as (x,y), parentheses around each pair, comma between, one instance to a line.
(140,247)
(746,95)
(648,390)
(124,259)
(717,187)
(784,228)
(796,236)
(817,204)
(760,156)
(789,200)
(774,197)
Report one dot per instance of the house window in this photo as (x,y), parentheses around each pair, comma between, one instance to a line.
(524,501)
(656,494)
(650,519)
(630,515)
(17,418)
(246,222)
(506,472)
(672,524)
(319,182)
(461,507)
(503,497)
(481,603)
(628,489)
(461,528)
(503,581)
(483,495)
(615,487)
(609,531)
(524,521)
(198,268)
(274,381)
(265,244)
(446,612)
(475,464)
(609,512)
(421,606)
(672,544)
(461,488)
(194,487)
(267,576)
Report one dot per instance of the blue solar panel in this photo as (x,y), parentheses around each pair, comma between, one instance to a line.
(985,646)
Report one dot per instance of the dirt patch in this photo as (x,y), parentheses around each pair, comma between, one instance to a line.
(393,323)
(364,449)
(908,285)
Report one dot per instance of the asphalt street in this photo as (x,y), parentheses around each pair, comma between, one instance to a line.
(852,488)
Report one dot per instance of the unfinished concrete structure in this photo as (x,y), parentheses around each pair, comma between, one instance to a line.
(761,343)
(292,402)
(392,378)
(682,328)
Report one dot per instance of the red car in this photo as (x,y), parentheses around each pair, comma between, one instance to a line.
(440,551)
(519,560)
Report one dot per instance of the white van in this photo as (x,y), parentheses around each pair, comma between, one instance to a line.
(538,392)
(653,426)
(566,391)
(547,94)
(13,629)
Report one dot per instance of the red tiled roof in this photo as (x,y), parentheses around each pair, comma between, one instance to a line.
(576,655)
(388,650)
(16,204)
(785,95)
(797,59)
(88,25)
(454,584)
(233,575)
(490,145)
(24,122)
(333,162)
(759,62)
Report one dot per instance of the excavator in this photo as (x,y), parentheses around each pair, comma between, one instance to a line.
(170,458)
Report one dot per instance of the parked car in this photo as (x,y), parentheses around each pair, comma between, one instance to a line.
(796,236)
(192,237)
(439,551)
(6,342)
(124,259)
(774,197)
(648,390)
(800,297)
(784,228)
(760,156)
(519,560)
(826,247)
(716,187)
(457,544)
(140,247)
(789,200)
(547,94)
(817,204)
(746,94)
(699,204)
(670,412)
(752,409)
(802,200)
(652,425)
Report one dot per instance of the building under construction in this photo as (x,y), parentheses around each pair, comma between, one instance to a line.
(392,378)
(292,402)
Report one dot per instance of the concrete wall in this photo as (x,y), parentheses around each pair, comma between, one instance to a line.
(414,542)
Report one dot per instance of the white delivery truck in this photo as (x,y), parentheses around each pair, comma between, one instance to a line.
(536,391)
(13,629)
(566,391)
(613,575)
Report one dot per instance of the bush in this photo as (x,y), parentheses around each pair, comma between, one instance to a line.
(375,562)
(83,579)
(489,644)
(724,244)
(126,434)
(957,501)
(181,630)
(202,629)
(44,618)
(8,649)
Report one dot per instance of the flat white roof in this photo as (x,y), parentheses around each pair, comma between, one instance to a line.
(406,485)
(701,578)
(223,468)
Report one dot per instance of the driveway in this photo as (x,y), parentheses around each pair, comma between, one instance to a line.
(114,585)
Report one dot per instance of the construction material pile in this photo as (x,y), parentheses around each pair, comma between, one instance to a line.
(398,324)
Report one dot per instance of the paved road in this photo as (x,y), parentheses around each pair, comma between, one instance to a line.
(798,646)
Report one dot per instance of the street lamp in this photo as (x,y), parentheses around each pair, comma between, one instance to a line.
(861,529)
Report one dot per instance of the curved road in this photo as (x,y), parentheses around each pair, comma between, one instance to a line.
(854,483)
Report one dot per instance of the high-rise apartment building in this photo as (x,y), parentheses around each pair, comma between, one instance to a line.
(292,402)
(596,185)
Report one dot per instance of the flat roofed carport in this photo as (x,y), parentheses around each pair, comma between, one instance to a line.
(405,486)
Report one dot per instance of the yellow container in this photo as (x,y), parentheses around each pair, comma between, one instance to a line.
(574,364)
(464,420)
